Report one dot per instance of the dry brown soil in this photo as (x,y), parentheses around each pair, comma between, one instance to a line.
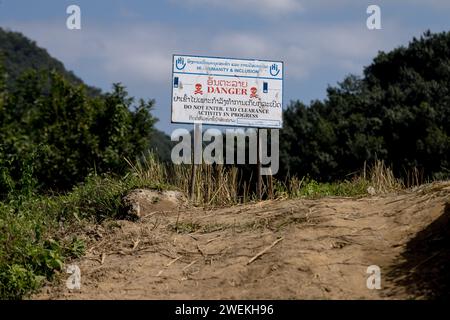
(323,250)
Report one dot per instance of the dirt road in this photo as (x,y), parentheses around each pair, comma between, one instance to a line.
(299,249)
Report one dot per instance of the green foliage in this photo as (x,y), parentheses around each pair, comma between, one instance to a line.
(76,248)
(311,188)
(31,249)
(75,133)
(27,256)
(17,281)
(398,112)
(98,197)
(72,129)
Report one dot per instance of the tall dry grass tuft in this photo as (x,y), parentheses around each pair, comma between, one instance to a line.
(215,185)
(382,178)
(219,185)
(414,177)
(149,169)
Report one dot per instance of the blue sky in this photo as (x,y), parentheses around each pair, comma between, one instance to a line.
(132,41)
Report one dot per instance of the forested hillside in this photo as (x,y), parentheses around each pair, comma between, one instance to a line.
(20,54)
(51,121)
(29,72)
(398,111)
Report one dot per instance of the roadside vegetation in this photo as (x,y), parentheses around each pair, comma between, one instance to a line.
(36,230)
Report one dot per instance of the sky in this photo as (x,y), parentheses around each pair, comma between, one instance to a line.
(132,41)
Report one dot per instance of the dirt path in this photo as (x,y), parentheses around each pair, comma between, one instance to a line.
(326,247)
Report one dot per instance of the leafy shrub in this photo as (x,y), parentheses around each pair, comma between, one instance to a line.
(77,134)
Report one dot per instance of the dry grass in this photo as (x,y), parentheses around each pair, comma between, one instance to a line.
(215,185)
(219,185)
(381,178)
(148,168)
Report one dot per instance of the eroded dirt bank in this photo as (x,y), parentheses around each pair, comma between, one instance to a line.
(323,250)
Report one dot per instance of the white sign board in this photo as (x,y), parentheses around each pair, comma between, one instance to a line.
(226,91)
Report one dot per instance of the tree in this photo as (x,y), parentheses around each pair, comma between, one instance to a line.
(399,111)
(71,133)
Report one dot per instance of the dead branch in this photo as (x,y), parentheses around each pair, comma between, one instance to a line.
(264,251)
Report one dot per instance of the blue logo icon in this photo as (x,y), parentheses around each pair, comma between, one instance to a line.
(180,63)
(274,71)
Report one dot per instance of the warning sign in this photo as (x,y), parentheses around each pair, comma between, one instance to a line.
(227,91)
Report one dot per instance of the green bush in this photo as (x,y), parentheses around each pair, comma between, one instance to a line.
(77,134)
(33,247)
(27,253)
(313,189)
(17,281)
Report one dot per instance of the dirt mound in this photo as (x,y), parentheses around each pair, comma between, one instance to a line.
(284,249)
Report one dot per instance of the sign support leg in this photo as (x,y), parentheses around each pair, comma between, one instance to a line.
(196,158)
(258,166)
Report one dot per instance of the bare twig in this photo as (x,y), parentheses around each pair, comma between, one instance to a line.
(200,250)
(425,261)
(95,246)
(264,251)
(150,214)
(196,239)
(136,243)
(168,265)
(211,240)
(173,261)
(189,265)
(176,224)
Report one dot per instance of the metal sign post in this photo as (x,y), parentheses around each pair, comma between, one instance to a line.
(258,166)
(196,157)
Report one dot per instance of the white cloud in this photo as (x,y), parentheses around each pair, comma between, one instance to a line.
(279,9)
(271,8)
(142,52)
(307,48)
(435,4)
(139,54)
